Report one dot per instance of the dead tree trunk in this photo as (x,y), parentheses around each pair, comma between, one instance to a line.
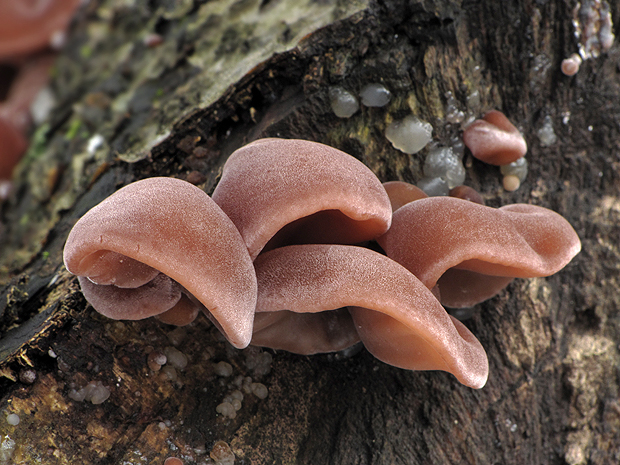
(228,72)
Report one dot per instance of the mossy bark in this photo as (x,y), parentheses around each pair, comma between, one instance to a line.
(229,72)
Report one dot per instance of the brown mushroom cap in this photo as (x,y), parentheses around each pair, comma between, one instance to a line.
(150,299)
(174,227)
(401,193)
(305,191)
(467,193)
(314,278)
(432,235)
(494,139)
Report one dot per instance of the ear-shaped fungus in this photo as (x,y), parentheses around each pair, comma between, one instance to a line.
(494,139)
(484,248)
(300,192)
(401,193)
(170,226)
(397,317)
(26,26)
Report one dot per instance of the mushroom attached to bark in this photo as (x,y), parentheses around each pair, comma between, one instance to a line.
(282,192)
(494,139)
(398,319)
(484,248)
(401,193)
(123,247)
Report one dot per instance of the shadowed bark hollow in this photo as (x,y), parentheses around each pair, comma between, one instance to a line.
(228,72)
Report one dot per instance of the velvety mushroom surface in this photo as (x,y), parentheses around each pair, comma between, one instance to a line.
(430,236)
(397,318)
(401,193)
(162,247)
(494,139)
(170,226)
(283,192)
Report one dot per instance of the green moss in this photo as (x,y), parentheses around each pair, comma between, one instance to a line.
(37,144)
(74,127)
(86,51)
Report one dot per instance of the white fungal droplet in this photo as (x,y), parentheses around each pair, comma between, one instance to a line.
(94,143)
(77,396)
(176,358)
(434,187)
(169,372)
(546,134)
(223,369)
(343,103)
(260,390)
(94,392)
(222,454)
(7,447)
(12,419)
(517,168)
(441,162)
(226,409)
(100,394)
(176,336)
(473,101)
(453,114)
(409,135)
(375,95)
(42,105)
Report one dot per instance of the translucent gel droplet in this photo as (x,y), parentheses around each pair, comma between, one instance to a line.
(409,135)
(343,103)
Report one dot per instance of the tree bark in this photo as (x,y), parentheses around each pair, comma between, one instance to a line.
(228,72)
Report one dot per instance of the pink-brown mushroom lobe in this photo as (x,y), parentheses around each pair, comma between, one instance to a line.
(494,139)
(432,235)
(173,227)
(26,26)
(467,193)
(305,333)
(182,313)
(387,303)
(401,193)
(464,288)
(301,191)
(150,299)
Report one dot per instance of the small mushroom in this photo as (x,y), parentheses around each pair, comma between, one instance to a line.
(282,192)
(494,139)
(397,318)
(150,242)
(431,236)
(570,66)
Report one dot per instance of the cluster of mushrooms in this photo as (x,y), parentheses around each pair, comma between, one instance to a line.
(279,257)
